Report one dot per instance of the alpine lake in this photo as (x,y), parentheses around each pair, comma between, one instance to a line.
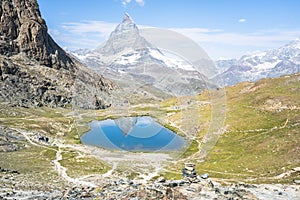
(133,134)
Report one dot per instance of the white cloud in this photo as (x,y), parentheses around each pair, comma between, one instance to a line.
(85,34)
(262,38)
(140,2)
(242,20)
(217,42)
(54,32)
(100,27)
(125,2)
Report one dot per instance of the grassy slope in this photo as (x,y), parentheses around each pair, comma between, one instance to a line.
(53,123)
(78,166)
(35,168)
(263,137)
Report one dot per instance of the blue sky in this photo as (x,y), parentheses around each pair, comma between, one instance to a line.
(223,28)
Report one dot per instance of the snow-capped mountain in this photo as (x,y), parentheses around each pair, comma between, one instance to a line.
(268,64)
(80,54)
(127,56)
(125,37)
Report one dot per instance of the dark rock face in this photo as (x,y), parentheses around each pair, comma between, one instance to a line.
(35,71)
(24,30)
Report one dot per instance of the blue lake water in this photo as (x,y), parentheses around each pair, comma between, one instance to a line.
(132,134)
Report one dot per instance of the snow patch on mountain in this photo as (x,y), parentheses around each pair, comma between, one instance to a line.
(268,64)
(80,57)
(173,62)
(128,59)
(265,66)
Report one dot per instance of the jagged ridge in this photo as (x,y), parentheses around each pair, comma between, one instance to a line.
(35,71)
(268,64)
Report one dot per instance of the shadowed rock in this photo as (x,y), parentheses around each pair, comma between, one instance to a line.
(35,71)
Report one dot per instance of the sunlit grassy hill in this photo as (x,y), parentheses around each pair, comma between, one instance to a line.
(262,137)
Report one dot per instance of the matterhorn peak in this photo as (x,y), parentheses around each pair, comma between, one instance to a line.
(125,35)
(127,18)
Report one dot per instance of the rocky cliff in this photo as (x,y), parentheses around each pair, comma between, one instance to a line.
(35,71)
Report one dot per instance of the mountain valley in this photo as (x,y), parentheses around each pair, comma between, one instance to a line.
(242,140)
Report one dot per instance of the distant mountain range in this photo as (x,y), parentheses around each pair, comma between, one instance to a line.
(267,64)
(128,57)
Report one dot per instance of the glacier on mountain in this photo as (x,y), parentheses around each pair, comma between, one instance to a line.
(268,64)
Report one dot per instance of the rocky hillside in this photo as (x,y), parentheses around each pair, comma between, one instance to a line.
(268,64)
(35,71)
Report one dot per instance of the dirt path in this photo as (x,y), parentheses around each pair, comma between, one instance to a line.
(24,133)
(288,173)
(110,172)
(147,177)
(62,171)
(133,161)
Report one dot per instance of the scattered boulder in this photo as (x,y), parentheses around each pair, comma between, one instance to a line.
(172,184)
(205,176)
(9,171)
(43,139)
(297,181)
(211,184)
(161,180)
